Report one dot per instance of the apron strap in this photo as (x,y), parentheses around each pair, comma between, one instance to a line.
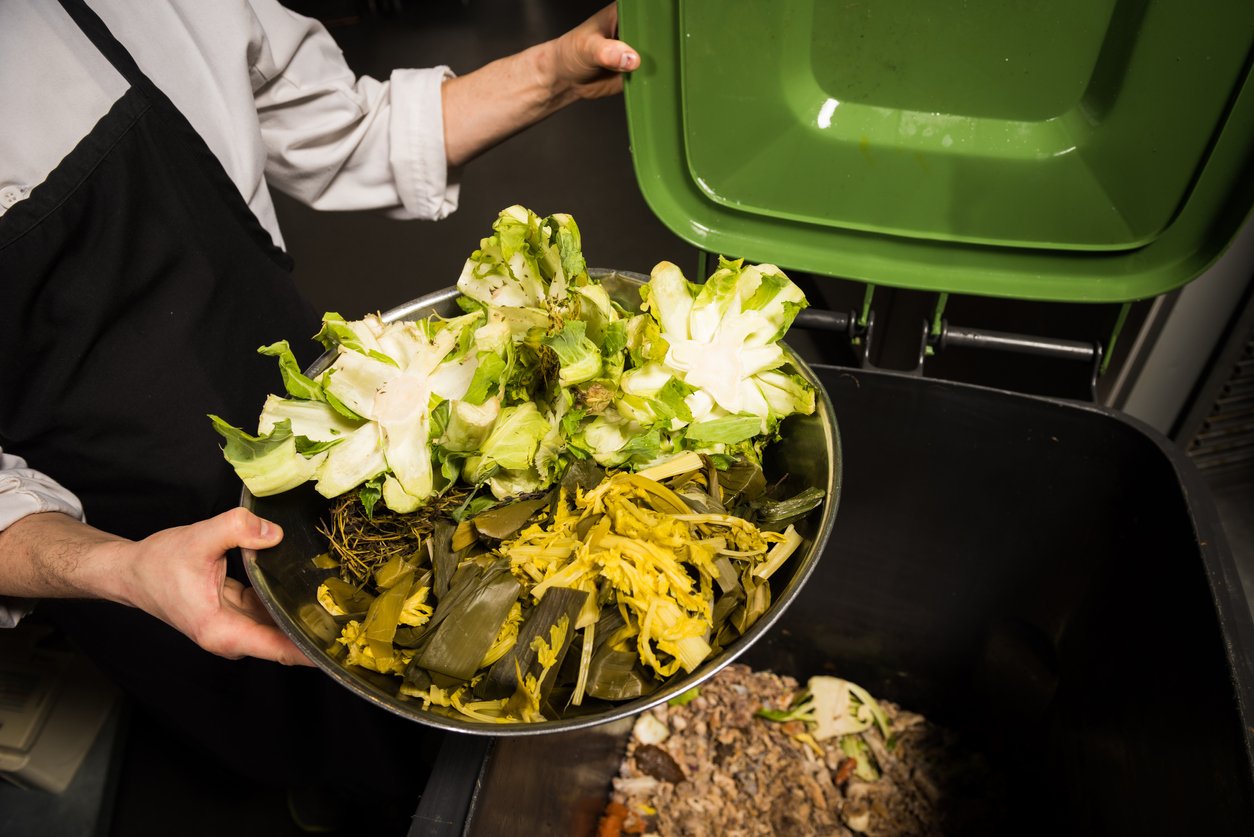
(102,39)
(112,49)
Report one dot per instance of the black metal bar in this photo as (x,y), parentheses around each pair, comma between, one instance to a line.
(818,319)
(1043,346)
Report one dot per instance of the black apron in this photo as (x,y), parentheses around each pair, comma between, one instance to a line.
(135,288)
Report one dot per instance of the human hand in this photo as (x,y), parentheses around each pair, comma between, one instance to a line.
(590,60)
(499,99)
(179,576)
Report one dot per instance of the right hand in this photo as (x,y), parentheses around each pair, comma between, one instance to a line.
(179,576)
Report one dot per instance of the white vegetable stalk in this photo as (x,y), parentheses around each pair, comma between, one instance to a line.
(543,369)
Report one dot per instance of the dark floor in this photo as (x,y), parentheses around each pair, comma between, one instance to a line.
(578,162)
(166,786)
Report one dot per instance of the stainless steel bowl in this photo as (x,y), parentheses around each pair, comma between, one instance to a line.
(286,580)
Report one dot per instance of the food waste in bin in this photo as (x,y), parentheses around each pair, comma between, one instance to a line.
(756,753)
(550,495)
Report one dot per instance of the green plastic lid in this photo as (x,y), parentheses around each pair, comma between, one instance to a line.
(1079,150)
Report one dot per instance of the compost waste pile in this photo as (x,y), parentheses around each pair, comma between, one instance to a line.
(754,753)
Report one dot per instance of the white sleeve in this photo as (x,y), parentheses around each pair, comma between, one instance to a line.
(25,491)
(336,141)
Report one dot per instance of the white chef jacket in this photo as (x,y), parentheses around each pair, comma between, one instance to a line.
(267,89)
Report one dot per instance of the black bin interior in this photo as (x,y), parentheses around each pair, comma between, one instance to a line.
(1045,577)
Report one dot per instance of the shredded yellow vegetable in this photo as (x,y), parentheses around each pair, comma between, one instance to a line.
(640,539)
(633,545)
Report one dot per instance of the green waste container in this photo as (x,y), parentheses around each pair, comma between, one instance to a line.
(1079,150)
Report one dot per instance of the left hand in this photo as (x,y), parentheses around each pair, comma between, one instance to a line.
(500,99)
(591,60)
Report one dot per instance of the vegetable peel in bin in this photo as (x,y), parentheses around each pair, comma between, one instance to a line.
(557,495)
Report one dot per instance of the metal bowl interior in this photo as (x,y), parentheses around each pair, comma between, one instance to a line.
(286,580)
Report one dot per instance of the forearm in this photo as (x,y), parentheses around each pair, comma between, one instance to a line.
(502,98)
(499,99)
(177,575)
(52,555)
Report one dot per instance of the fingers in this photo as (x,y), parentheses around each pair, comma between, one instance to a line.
(238,636)
(595,57)
(245,600)
(608,52)
(605,21)
(272,643)
(243,628)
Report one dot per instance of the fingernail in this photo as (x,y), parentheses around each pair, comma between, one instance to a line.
(627,60)
(266,529)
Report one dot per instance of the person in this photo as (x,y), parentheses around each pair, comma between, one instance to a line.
(141,265)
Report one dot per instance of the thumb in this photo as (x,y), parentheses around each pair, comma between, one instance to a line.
(617,56)
(240,527)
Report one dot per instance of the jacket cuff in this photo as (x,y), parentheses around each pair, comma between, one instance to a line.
(23,492)
(427,188)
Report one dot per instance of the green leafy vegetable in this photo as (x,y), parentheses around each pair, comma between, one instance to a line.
(544,369)
(580,360)
(268,464)
(685,698)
